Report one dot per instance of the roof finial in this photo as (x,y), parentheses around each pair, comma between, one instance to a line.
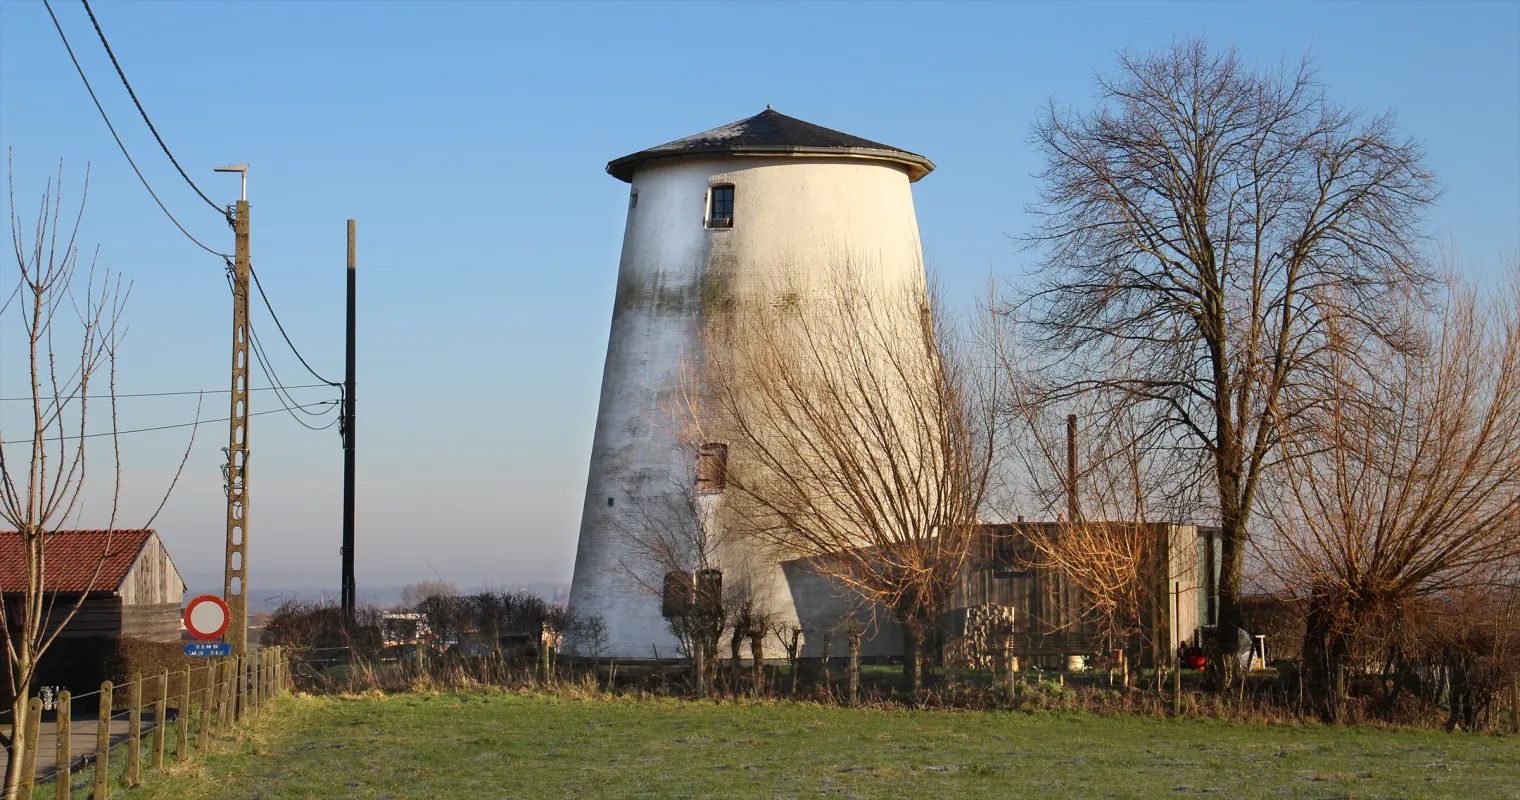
(767,106)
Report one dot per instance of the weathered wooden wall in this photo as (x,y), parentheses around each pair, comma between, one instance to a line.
(153,580)
(159,622)
(1007,570)
(99,615)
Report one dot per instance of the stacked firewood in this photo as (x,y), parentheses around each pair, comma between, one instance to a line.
(986,632)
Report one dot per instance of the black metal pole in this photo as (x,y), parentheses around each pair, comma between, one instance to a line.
(348,442)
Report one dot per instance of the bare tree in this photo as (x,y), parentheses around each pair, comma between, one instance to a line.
(1403,485)
(672,545)
(72,325)
(1201,231)
(858,438)
(414,593)
(1114,549)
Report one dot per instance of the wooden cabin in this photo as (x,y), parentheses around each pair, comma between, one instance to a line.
(128,582)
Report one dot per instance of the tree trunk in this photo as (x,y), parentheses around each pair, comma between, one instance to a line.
(913,665)
(1232,551)
(735,646)
(17,744)
(1325,653)
(854,669)
(757,652)
(1462,715)
(22,674)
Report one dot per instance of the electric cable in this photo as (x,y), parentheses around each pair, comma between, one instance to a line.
(117,137)
(179,394)
(167,427)
(144,113)
(276,318)
(286,402)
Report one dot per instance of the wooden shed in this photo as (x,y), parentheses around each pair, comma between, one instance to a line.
(1006,574)
(129,584)
(1006,570)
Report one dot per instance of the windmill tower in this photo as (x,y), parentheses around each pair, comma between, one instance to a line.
(728,212)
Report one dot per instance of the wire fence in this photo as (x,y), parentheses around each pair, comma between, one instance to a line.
(183,715)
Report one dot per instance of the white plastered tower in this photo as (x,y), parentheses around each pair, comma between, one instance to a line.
(799,197)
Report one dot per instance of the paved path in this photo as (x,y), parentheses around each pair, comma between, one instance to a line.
(82,740)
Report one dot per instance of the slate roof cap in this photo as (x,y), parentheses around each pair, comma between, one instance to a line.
(772,133)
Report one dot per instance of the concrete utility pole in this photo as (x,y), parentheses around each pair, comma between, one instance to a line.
(235,585)
(348,439)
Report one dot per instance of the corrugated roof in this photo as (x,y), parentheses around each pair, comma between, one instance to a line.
(772,133)
(71,559)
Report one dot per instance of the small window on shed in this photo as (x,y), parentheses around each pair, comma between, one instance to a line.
(720,211)
(712,468)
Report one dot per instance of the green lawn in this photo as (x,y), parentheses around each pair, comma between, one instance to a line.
(486,745)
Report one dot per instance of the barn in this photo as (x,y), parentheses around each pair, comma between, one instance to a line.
(129,585)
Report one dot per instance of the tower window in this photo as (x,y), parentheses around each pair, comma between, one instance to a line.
(712,468)
(676,600)
(720,212)
(633,199)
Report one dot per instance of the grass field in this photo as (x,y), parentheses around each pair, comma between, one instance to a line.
(485,745)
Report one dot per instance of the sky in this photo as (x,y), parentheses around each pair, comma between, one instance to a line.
(469,140)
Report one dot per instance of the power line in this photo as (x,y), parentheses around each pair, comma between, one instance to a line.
(286,402)
(144,112)
(180,394)
(277,324)
(117,137)
(168,427)
(265,364)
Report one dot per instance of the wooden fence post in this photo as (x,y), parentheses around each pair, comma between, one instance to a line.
(160,717)
(206,705)
(230,689)
(223,684)
(63,751)
(229,692)
(182,738)
(1010,669)
(32,728)
(240,695)
(134,731)
(103,744)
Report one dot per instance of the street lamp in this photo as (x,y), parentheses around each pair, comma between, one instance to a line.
(240,168)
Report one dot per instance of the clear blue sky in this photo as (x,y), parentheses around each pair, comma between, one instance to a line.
(469,141)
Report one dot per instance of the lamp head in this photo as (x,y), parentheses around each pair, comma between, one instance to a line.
(242,169)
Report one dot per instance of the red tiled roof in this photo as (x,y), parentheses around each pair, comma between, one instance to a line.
(70,559)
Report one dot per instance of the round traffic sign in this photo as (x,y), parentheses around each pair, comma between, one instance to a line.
(206,617)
